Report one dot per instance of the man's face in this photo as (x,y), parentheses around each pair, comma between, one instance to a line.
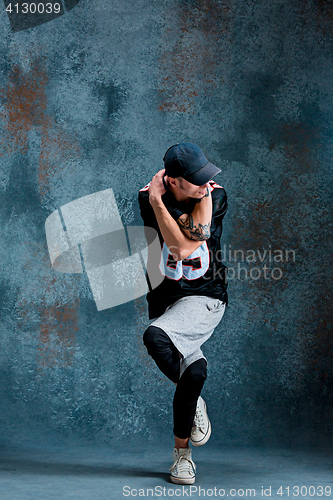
(188,190)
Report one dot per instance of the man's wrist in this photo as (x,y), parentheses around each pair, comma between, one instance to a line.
(156,202)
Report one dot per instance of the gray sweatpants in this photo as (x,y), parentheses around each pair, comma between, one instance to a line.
(189,322)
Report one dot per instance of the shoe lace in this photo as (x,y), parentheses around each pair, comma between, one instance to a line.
(183,464)
(198,421)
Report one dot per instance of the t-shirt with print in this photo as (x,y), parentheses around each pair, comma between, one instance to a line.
(202,273)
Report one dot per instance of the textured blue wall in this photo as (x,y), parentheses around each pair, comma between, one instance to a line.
(91,100)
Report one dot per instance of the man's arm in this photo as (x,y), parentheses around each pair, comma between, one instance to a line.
(196,226)
(178,243)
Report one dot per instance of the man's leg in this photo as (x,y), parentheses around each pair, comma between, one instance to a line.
(163,352)
(189,322)
(185,400)
(187,392)
(189,386)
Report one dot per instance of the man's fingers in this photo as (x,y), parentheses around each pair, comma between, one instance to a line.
(160,173)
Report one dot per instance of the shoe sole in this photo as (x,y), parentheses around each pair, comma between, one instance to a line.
(177,480)
(205,438)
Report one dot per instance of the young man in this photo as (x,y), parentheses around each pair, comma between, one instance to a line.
(186,208)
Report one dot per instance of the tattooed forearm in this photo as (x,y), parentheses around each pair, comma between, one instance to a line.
(198,232)
(197,224)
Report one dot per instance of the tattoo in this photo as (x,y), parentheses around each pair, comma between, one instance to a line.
(199,233)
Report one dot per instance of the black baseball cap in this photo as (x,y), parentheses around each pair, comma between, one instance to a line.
(186,160)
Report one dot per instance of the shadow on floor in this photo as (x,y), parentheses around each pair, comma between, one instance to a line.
(62,469)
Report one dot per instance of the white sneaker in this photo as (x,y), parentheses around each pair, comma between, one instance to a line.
(183,467)
(201,429)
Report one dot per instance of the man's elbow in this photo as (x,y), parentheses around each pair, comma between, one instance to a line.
(177,256)
(185,253)
(176,252)
(179,253)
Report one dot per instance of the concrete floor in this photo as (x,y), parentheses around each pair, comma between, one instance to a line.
(114,472)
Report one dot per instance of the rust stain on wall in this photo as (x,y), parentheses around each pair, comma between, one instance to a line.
(197,37)
(59,324)
(57,151)
(24,108)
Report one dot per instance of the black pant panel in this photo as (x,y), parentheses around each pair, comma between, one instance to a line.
(189,386)
(187,392)
(163,352)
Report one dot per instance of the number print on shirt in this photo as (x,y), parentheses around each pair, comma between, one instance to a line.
(192,268)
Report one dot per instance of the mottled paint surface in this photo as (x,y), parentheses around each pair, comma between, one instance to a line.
(91,101)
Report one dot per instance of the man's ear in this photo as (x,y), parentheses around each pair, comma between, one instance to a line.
(172,181)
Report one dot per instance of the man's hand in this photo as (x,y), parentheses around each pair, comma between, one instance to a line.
(156,188)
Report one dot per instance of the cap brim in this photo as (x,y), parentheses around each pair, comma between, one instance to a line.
(203,175)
